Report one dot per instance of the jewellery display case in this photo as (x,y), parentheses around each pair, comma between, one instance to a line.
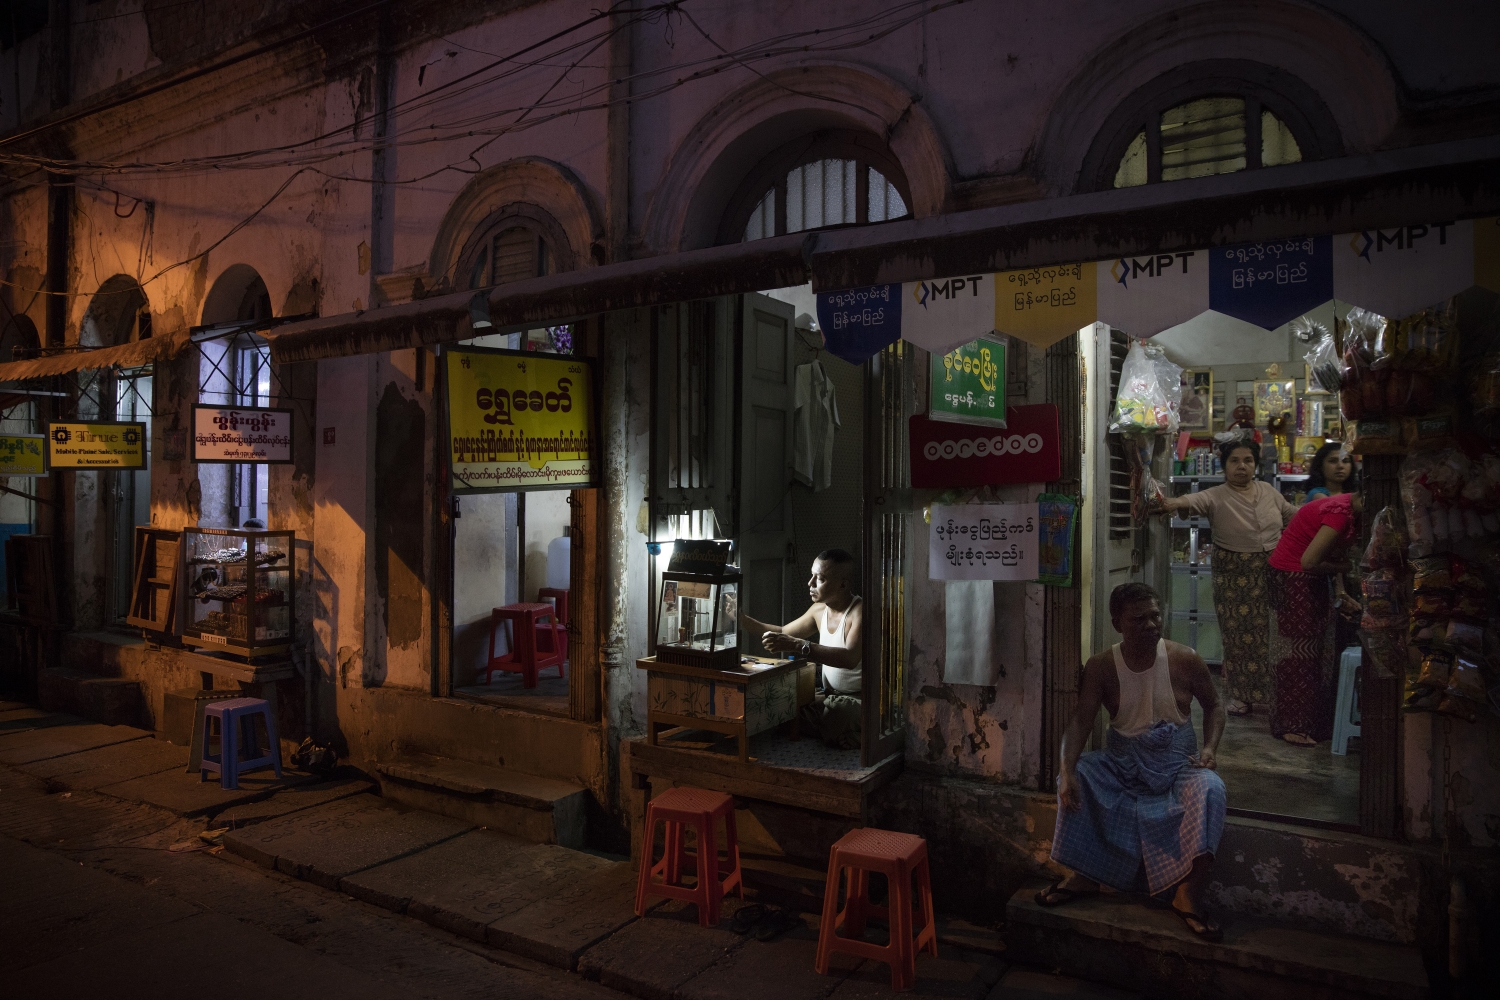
(237,590)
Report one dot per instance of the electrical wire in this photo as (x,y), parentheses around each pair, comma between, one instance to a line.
(839,38)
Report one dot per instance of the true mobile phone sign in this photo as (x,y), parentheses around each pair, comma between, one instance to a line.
(96,445)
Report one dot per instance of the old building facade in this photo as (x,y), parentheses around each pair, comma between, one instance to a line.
(181,179)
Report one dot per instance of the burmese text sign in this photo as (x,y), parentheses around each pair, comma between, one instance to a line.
(519,420)
(983,541)
(968,383)
(23,454)
(242,434)
(96,446)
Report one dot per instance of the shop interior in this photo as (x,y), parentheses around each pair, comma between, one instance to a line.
(1236,375)
(791,494)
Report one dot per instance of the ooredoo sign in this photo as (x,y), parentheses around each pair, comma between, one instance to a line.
(947,455)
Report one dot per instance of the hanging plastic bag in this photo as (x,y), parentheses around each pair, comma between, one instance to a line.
(1323,354)
(1140,405)
(1169,378)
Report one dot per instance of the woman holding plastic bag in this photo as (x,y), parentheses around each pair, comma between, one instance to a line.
(1246,517)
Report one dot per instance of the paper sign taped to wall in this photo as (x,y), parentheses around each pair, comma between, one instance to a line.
(983,541)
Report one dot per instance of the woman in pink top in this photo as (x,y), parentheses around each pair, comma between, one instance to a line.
(1306,579)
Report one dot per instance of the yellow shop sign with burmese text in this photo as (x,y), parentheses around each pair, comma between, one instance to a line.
(96,446)
(519,420)
(23,454)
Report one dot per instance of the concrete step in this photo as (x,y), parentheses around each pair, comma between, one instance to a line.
(1116,940)
(113,701)
(541,810)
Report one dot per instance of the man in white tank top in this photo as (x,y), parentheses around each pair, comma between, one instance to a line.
(830,633)
(1146,812)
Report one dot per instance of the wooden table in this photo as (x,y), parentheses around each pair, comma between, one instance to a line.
(760,695)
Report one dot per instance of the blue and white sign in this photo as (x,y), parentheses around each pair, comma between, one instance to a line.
(859,322)
(1272,283)
(1396,272)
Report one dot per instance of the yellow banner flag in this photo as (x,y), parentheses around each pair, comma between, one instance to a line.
(1042,305)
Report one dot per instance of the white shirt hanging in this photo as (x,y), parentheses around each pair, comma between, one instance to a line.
(815,423)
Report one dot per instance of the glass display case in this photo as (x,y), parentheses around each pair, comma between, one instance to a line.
(1191,619)
(238,590)
(698,611)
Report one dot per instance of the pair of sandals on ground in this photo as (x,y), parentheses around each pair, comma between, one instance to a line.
(1066,890)
(1240,709)
(761,921)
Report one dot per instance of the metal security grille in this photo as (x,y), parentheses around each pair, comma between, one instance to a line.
(1119,470)
(892,383)
(691,464)
(1062,638)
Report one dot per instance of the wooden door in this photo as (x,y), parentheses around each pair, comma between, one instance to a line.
(766,405)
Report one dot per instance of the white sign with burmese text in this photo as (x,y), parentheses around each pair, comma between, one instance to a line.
(983,541)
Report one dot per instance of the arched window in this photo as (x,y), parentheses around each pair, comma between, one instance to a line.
(1211,135)
(1210,118)
(513,244)
(832,179)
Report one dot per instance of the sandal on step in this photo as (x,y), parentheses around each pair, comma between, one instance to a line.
(1299,740)
(775,923)
(1203,930)
(1239,713)
(746,917)
(1047,897)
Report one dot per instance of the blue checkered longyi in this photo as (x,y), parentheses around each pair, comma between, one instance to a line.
(1144,807)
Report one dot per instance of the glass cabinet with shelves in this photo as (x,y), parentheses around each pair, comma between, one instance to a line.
(238,590)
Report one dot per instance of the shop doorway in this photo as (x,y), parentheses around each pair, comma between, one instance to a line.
(1234,375)
(736,455)
(511,548)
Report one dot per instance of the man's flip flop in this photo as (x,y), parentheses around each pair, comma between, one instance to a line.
(1045,897)
(1204,930)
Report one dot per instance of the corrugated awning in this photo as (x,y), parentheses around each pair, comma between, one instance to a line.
(132,355)
(1418,185)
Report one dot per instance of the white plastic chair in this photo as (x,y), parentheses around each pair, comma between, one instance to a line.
(1346,708)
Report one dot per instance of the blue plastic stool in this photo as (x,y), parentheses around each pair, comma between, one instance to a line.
(237,720)
(1346,716)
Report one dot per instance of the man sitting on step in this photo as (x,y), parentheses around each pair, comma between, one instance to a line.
(1146,812)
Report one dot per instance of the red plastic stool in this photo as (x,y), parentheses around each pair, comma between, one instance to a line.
(701,809)
(553,637)
(524,657)
(900,857)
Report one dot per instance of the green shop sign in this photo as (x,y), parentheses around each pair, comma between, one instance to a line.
(968,383)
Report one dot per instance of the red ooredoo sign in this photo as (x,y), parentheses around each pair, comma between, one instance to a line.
(946,455)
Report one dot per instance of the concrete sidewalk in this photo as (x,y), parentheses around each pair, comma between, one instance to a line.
(111,789)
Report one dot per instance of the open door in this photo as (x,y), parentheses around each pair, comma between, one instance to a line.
(766,405)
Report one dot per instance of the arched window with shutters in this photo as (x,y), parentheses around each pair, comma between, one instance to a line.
(1215,118)
(513,244)
(836,178)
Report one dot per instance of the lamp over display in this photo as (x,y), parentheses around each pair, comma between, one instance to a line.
(698,611)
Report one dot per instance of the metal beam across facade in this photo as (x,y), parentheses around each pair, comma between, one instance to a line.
(1422,184)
